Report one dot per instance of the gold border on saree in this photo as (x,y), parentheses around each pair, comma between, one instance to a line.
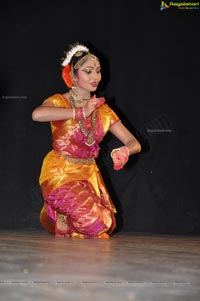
(80,160)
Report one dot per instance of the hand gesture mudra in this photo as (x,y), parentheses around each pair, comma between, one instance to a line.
(120,157)
(92,104)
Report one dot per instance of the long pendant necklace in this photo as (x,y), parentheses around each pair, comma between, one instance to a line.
(90,135)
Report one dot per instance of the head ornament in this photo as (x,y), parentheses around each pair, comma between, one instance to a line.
(75,49)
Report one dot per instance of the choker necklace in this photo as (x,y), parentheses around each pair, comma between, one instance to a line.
(90,135)
(77,99)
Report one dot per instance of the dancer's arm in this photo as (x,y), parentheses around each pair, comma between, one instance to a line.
(126,137)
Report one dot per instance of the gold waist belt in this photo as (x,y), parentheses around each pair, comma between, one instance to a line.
(80,160)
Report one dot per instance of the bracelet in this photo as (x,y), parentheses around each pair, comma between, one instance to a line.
(122,148)
(114,150)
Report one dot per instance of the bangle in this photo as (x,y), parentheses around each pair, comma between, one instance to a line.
(114,150)
(122,148)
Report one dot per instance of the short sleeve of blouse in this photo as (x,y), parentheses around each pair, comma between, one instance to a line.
(110,115)
(57,100)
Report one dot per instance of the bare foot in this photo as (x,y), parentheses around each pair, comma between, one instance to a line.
(61,229)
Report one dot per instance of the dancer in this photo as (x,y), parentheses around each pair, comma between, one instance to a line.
(76,200)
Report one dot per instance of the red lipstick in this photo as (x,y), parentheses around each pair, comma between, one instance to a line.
(94,84)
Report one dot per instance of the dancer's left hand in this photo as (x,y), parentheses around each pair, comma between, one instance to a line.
(120,157)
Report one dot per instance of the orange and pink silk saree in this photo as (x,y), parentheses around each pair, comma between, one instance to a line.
(70,180)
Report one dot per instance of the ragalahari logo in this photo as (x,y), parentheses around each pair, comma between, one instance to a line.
(164,5)
(179,5)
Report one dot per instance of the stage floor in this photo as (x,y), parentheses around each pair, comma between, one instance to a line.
(37,266)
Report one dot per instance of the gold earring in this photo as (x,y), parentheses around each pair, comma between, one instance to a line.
(74,87)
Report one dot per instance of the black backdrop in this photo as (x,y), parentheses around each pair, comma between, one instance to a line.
(150,64)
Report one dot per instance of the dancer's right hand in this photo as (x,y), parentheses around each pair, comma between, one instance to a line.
(92,104)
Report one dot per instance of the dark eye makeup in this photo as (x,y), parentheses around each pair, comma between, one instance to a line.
(88,71)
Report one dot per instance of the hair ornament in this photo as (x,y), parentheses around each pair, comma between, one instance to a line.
(66,76)
(76,49)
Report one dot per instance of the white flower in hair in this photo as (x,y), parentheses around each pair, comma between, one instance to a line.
(72,52)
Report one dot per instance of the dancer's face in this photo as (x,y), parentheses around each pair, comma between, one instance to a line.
(89,75)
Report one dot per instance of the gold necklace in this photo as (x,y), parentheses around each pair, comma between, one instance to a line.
(90,135)
(77,99)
